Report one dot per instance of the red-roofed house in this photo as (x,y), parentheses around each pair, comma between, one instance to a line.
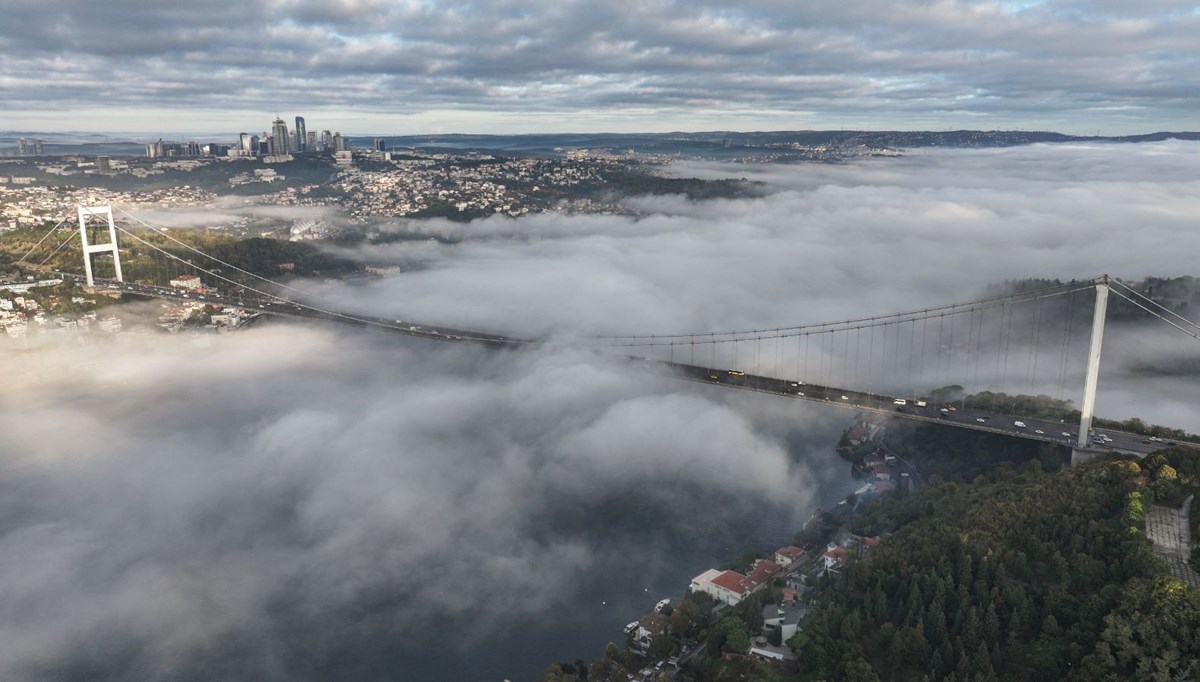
(786,556)
(882,487)
(882,471)
(762,572)
(835,558)
(729,587)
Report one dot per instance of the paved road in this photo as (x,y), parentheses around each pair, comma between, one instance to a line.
(300,309)
(1052,431)
(1168,530)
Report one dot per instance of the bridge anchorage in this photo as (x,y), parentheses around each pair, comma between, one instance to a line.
(892,355)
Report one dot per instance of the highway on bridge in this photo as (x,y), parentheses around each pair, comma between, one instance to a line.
(1047,431)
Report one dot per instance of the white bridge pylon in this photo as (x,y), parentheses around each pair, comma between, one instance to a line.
(110,247)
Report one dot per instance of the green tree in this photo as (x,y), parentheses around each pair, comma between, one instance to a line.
(611,652)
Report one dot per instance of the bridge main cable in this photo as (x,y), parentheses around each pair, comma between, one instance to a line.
(357,320)
(634,340)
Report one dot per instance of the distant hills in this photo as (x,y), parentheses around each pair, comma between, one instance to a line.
(711,144)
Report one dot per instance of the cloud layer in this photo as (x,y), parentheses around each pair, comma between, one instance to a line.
(307,503)
(293,500)
(528,66)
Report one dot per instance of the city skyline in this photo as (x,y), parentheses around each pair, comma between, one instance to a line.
(525,67)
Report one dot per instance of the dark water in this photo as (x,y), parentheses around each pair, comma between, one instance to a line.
(651,541)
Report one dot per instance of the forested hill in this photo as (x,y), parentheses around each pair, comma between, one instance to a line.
(1018,576)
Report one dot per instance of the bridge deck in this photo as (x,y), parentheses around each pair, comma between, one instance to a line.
(977,420)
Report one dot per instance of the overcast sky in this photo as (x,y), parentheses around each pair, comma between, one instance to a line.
(512,66)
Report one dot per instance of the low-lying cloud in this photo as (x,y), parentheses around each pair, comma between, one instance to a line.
(289,501)
(259,506)
(829,242)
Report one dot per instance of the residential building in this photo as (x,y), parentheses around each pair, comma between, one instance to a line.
(189,282)
(779,656)
(729,587)
(786,556)
(784,617)
(834,557)
(762,572)
(650,626)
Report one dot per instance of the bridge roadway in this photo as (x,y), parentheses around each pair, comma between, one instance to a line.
(300,309)
(1052,431)
(1047,431)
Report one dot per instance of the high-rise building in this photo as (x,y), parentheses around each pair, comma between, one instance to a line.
(253,149)
(102,165)
(22,146)
(379,145)
(310,145)
(301,135)
(279,133)
(39,147)
(339,144)
(244,142)
(326,141)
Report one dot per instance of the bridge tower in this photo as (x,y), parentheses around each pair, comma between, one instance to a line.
(110,247)
(1093,366)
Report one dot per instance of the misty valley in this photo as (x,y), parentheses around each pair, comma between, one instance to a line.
(665,408)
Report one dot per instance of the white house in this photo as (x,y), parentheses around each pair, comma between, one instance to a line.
(729,587)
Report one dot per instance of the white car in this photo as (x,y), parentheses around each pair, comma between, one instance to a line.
(1019,425)
(845,397)
(1039,432)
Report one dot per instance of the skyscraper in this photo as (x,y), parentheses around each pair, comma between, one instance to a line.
(326,141)
(338,143)
(22,146)
(39,147)
(301,135)
(279,134)
(310,145)
(244,143)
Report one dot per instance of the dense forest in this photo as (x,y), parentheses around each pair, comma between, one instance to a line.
(1017,576)
(1004,566)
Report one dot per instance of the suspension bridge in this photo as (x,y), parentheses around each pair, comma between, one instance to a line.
(991,356)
